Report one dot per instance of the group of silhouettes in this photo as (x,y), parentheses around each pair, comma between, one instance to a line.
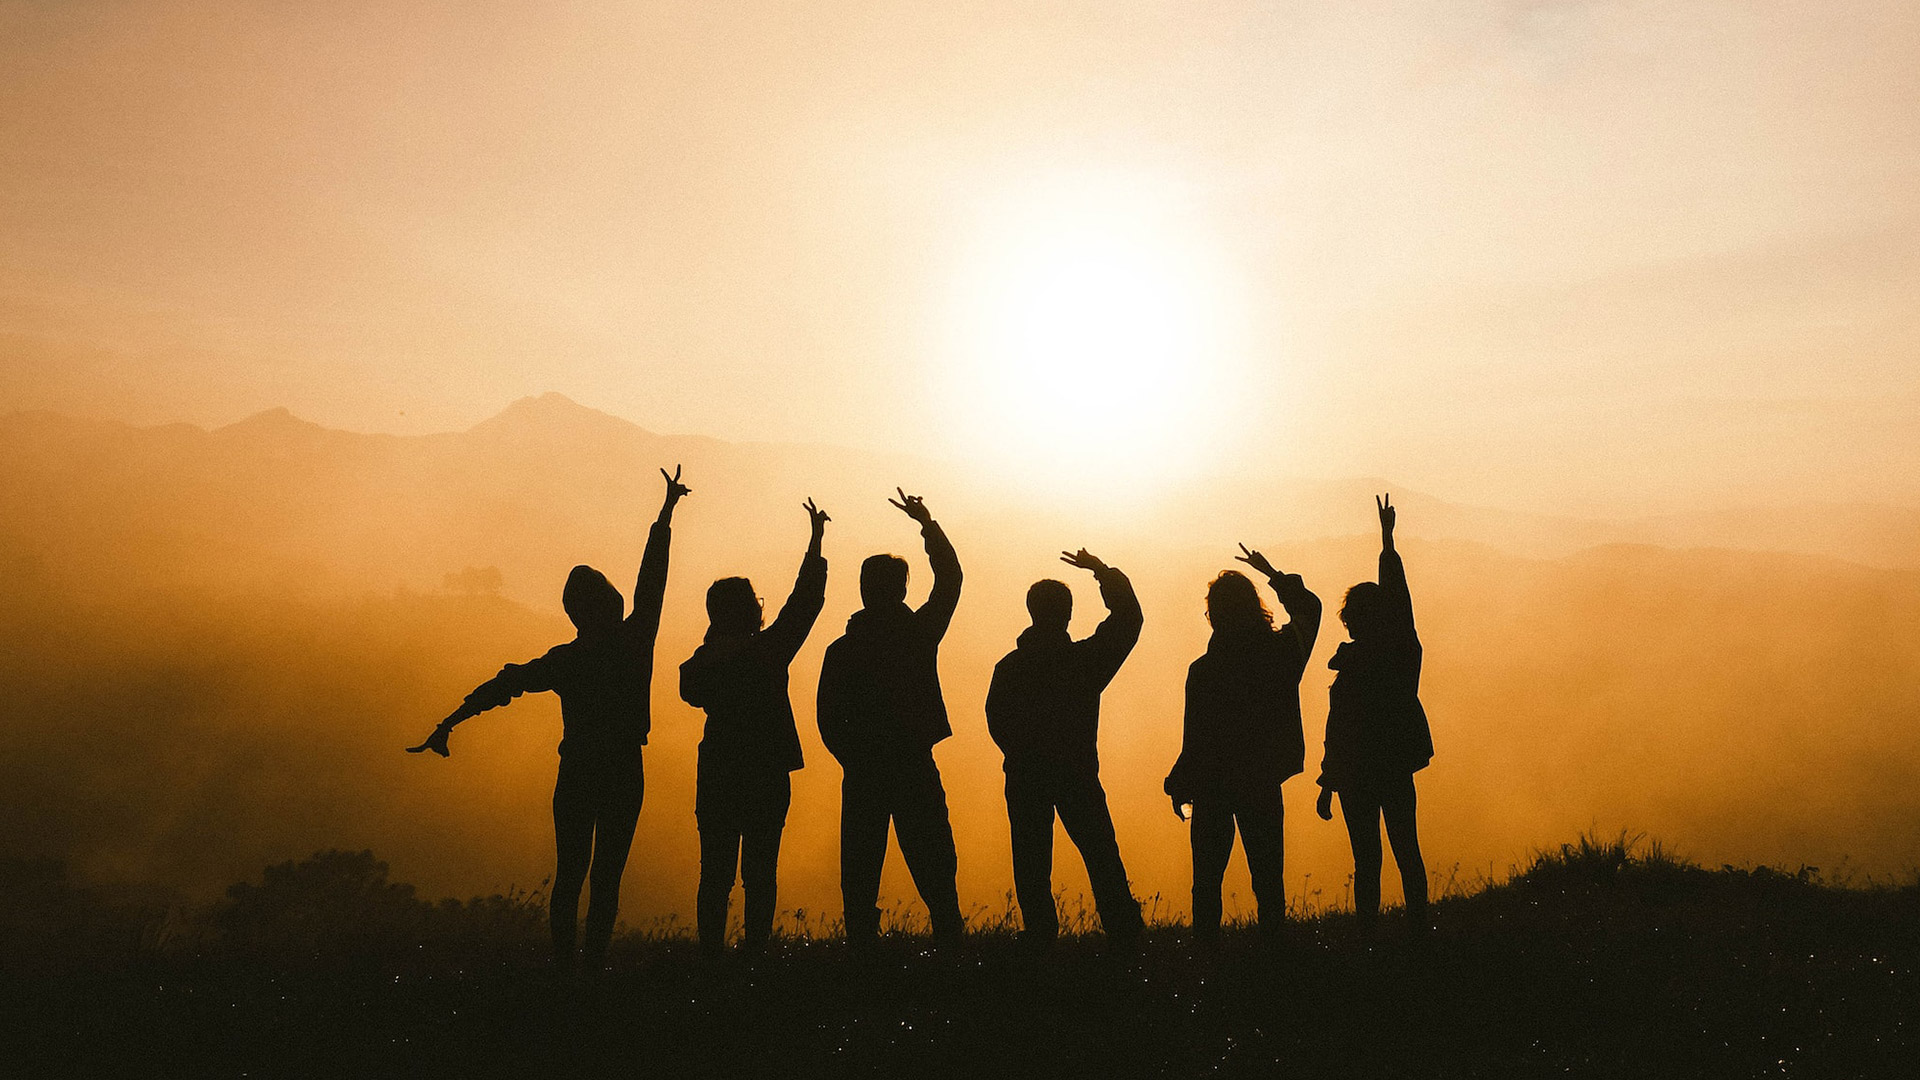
(881,712)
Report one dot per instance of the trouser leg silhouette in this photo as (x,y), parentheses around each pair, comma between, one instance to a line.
(1211,832)
(925,833)
(1082,805)
(1398,806)
(573,839)
(1030,813)
(719,855)
(864,819)
(1362,814)
(759,880)
(1262,819)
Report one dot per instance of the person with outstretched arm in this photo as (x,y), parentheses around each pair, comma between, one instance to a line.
(1043,710)
(1377,732)
(750,747)
(604,678)
(1242,738)
(881,713)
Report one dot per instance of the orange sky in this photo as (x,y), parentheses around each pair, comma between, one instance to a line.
(1550,255)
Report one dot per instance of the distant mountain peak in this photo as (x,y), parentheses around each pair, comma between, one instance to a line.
(278,420)
(551,411)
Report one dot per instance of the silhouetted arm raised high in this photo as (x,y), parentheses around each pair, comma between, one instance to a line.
(937,613)
(1303,608)
(790,628)
(1117,634)
(1393,573)
(650,588)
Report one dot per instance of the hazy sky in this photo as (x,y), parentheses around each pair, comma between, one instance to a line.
(1544,254)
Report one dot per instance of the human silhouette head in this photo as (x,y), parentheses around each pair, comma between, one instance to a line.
(591,601)
(1233,604)
(1361,612)
(1050,603)
(733,607)
(883,580)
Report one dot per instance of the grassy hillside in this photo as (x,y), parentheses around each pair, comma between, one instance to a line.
(1596,959)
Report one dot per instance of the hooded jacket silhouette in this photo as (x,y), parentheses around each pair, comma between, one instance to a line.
(604,677)
(1377,732)
(1377,729)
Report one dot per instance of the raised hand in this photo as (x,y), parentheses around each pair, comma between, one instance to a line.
(436,742)
(815,516)
(1385,505)
(675,489)
(1257,561)
(1083,559)
(913,506)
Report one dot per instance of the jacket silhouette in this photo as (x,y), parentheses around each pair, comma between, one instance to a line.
(604,678)
(1242,738)
(750,745)
(1377,731)
(880,712)
(1043,710)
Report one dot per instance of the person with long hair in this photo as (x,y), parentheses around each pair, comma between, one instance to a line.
(1242,737)
(1377,732)
(751,747)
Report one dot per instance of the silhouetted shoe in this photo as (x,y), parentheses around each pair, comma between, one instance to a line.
(1124,946)
(949,937)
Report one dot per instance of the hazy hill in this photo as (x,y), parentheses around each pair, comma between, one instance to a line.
(219,641)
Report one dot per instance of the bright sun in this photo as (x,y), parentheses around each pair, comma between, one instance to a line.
(1092,335)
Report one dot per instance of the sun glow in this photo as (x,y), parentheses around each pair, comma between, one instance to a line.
(1093,335)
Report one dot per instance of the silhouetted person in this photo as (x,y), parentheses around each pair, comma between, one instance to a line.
(604,677)
(1377,733)
(1243,737)
(739,676)
(1043,710)
(881,713)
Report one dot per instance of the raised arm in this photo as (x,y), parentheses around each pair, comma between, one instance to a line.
(1117,634)
(513,680)
(1303,608)
(1393,572)
(937,612)
(650,589)
(795,621)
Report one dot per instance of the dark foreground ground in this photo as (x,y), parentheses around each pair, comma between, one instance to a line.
(1596,961)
